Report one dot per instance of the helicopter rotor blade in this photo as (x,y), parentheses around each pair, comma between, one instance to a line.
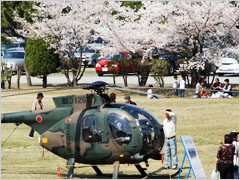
(136,91)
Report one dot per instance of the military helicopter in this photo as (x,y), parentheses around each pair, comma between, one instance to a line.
(89,129)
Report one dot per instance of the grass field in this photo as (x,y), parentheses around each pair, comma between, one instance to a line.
(207,120)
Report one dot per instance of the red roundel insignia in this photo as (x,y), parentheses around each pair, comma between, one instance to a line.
(39,119)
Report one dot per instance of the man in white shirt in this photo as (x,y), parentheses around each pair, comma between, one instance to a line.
(169,127)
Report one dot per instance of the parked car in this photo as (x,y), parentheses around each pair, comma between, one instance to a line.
(90,55)
(103,66)
(172,60)
(12,58)
(229,65)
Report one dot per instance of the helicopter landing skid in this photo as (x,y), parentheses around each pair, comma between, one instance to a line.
(141,170)
(97,170)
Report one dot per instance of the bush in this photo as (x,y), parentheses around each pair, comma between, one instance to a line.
(40,59)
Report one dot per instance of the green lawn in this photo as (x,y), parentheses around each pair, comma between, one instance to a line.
(207,120)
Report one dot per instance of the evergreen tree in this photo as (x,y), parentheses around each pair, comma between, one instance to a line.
(8,24)
(40,60)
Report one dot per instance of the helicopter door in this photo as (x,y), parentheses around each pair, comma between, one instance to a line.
(90,132)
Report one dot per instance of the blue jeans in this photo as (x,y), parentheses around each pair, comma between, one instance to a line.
(171,152)
(175,92)
(181,93)
(198,95)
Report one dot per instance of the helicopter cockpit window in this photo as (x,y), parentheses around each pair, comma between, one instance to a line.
(120,128)
(90,131)
(150,126)
(90,121)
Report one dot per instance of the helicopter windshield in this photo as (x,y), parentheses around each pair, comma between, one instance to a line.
(120,128)
(151,127)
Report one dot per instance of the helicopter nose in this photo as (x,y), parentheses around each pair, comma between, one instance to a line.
(2,117)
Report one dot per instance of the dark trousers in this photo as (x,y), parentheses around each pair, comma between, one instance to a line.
(226,170)
(31,132)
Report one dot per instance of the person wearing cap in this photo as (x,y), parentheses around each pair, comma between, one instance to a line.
(127,99)
(235,142)
(36,105)
(169,127)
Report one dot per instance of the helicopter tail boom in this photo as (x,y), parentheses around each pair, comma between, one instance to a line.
(19,117)
(40,120)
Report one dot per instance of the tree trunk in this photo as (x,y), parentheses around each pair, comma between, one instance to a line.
(9,82)
(125,80)
(114,79)
(44,81)
(29,82)
(74,81)
(143,75)
(18,82)
(162,80)
(195,78)
(3,84)
(19,73)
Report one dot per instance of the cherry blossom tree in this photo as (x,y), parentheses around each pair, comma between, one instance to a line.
(131,30)
(68,26)
(197,23)
(71,25)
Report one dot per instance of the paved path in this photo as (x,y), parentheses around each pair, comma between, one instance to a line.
(91,77)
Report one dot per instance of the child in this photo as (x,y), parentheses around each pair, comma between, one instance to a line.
(203,93)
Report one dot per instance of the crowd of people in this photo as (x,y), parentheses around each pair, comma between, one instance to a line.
(218,89)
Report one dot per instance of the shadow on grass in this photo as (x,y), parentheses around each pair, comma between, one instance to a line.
(151,175)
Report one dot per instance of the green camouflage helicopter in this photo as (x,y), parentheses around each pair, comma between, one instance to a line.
(89,129)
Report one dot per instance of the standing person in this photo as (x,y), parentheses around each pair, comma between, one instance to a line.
(37,105)
(182,87)
(112,97)
(169,127)
(224,161)
(175,86)
(127,99)
(150,92)
(235,142)
(198,88)
(216,86)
